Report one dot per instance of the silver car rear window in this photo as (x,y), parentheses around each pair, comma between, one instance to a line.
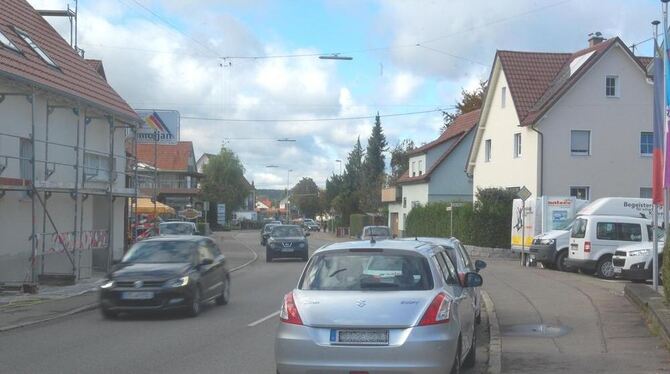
(367,271)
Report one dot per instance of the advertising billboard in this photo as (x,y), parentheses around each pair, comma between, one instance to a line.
(161,126)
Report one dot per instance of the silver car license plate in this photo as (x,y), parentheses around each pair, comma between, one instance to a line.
(365,337)
(130,295)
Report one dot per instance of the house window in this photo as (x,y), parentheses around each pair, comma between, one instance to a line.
(96,167)
(26,38)
(5,42)
(580,192)
(420,167)
(645,192)
(487,150)
(517,145)
(413,168)
(415,204)
(26,154)
(404,202)
(503,97)
(611,83)
(646,143)
(580,142)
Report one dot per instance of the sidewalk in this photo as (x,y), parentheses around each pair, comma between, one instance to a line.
(19,309)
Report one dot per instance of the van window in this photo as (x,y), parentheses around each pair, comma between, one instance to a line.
(579,228)
(627,232)
(630,232)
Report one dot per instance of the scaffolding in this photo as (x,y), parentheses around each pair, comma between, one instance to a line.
(39,187)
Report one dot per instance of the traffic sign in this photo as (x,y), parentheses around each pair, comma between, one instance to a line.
(524,193)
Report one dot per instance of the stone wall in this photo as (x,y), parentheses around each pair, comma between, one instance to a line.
(491,253)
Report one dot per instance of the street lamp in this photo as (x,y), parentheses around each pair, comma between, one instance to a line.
(339,162)
(285,140)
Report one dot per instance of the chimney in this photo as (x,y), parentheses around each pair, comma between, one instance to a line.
(595,38)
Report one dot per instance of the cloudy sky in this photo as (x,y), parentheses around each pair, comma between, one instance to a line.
(212,60)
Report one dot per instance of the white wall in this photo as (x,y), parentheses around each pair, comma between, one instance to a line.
(410,192)
(416,160)
(615,166)
(500,125)
(16,207)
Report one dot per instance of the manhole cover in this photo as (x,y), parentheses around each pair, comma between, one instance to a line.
(538,331)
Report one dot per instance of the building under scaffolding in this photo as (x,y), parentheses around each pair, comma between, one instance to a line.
(64,170)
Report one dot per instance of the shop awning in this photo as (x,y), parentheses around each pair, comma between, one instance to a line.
(145,206)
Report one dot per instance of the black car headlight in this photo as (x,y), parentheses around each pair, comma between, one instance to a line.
(108,284)
(177,282)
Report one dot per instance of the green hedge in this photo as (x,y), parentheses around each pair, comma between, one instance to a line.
(356,224)
(487,223)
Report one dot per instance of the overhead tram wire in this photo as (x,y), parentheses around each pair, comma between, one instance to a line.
(316,119)
(373,49)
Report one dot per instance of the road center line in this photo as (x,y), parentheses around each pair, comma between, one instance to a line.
(252,324)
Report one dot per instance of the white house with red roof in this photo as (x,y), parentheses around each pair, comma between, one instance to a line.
(63,175)
(436,172)
(567,124)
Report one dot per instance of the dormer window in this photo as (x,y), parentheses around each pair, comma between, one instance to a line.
(5,42)
(36,48)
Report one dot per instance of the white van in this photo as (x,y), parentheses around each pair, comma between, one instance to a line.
(594,239)
(603,226)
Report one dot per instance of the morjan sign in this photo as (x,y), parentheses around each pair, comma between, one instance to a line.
(161,126)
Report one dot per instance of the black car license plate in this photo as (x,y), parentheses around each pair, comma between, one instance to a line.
(360,337)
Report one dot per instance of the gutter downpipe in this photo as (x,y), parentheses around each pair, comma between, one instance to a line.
(541,184)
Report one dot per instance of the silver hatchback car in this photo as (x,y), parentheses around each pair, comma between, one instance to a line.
(378,307)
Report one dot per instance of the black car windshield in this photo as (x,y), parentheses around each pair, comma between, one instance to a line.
(377,231)
(269,227)
(161,251)
(344,271)
(286,232)
(179,228)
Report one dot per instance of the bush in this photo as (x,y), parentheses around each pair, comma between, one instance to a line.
(486,224)
(665,271)
(434,220)
(356,224)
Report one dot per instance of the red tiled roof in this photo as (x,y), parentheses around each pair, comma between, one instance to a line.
(169,157)
(462,125)
(73,77)
(537,80)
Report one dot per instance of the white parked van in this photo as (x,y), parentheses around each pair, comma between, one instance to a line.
(602,227)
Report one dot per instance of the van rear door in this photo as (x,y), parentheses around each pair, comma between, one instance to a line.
(577,239)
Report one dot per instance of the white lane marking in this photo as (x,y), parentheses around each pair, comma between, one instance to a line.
(252,324)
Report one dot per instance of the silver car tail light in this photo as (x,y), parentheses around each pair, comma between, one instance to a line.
(289,311)
(439,311)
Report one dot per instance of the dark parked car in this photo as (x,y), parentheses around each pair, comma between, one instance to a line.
(170,272)
(310,225)
(287,241)
(265,231)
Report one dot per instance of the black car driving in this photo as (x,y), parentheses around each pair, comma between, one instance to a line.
(287,241)
(164,273)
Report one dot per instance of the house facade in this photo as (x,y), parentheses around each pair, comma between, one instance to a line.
(567,124)
(175,174)
(63,185)
(436,172)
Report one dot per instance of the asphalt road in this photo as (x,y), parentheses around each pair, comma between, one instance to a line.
(237,338)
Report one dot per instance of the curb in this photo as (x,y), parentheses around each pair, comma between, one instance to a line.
(495,341)
(92,306)
(248,262)
(654,311)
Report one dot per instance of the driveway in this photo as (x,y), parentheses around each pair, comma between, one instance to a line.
(589,326)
